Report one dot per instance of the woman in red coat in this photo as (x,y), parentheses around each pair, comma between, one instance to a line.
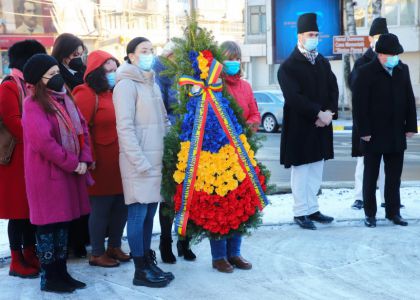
(13,201)
(109,212)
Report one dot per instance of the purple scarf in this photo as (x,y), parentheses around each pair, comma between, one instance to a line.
(70,125)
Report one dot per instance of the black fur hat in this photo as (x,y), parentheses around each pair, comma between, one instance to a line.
(21,51)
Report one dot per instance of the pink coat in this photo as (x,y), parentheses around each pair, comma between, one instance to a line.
(55,193)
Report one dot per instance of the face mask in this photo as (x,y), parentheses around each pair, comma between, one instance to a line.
(392,61)
(146,61)
(232,67)
(76,64)
(311,44)
(56,83)
(111,79)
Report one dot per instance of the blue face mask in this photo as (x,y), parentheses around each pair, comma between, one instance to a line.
(146,61)
(392,61)
(311,44)
(111,79)
(232,67)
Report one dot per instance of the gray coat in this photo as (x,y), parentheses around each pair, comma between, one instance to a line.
(142,123)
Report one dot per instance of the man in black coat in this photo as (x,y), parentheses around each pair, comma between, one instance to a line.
(311,100)
(378,27)
(385,113)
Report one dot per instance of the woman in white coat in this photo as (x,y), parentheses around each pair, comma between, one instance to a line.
(141,125)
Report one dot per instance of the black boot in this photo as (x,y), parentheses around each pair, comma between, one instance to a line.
(150,257)
(66,277)
(144,276)
(52,282)
(184,250)
(165,248)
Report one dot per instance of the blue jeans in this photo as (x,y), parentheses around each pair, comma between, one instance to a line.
(226,248)
(140,227)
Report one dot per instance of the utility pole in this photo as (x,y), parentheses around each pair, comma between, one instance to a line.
(193,6)
(168,19)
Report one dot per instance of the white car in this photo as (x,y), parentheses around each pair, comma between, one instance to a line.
(270,105)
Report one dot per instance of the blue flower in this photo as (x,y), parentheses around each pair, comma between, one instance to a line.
(214,136)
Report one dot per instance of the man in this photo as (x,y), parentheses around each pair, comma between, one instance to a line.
(378,27)
(311,99)
(29,25)
(385,113)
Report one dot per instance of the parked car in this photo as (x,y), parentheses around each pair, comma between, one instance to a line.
(270,105)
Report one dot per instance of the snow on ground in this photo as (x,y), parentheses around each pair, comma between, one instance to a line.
(343,260)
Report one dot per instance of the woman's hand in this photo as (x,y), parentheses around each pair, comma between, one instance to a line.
(81,168)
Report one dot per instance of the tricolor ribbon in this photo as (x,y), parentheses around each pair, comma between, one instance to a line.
(206,90)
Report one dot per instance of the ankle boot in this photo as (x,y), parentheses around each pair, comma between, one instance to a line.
(165,248)
(183,247)
(150,257)
(19,267)
(30,257)
(144,276)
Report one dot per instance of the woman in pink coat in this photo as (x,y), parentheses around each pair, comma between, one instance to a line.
(56,157)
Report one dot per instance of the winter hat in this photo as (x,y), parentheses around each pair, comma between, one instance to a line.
(131,46)
(21,51)
(96,59)
(168,49)
(36,66)
(378,27)
(307,22)
(388,43)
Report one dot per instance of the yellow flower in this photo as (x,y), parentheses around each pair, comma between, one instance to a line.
(179,176)
(202,64)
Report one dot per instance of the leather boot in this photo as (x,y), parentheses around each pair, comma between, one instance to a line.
(165,248)
(144,276)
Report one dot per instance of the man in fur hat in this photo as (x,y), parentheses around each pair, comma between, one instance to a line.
(311,100)
(385,114)
(378,27)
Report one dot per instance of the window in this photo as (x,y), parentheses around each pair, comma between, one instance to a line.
(396,12)
(262,98)
(257,19)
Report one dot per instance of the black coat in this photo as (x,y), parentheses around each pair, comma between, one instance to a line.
(355,137)
(384,107)
(307,89)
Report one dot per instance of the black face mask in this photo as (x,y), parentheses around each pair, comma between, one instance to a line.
(56,83)
(76,64)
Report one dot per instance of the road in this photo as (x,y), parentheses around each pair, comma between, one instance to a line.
(341,168)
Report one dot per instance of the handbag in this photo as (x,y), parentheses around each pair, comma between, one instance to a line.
(7,141)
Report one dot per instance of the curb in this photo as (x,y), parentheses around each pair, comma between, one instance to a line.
(284,188)
(350,128)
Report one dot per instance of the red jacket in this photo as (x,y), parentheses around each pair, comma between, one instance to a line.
(241,91)
(104,138)
(13,201)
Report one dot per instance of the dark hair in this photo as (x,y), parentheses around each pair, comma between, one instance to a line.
(132,45)
(41,96)
(21,6)
(231,50)
(97,79)
(64,45)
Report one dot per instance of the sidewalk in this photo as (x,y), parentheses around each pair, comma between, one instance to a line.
(344,260)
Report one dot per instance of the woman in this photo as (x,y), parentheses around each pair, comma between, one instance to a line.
(13,201)
(169,96)
(141,125)
(226,253)
(56,157)
(68,50)
(108,210)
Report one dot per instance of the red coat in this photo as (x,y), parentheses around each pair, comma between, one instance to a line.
(104,136)
(13,201)
(241,91)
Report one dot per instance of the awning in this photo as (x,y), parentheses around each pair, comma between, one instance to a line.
(7,40)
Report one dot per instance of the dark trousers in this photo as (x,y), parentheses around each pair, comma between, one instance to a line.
(393,168)
(79,232)
(21,233)
(165,221)
(108,214)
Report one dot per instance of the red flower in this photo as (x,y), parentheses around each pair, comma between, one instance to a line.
(208,55)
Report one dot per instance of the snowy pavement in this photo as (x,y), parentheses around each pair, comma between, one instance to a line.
(344,260)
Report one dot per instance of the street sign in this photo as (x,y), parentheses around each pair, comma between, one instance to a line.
(343,44)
